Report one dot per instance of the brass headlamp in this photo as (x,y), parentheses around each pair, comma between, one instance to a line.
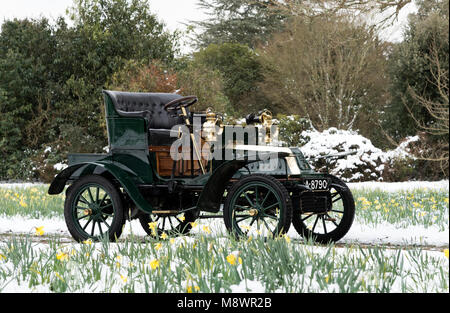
(266,121)
(209,130)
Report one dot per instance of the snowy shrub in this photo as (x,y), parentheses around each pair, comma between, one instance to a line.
(366,165)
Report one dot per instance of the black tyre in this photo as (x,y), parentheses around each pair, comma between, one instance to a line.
(172,225)
(93,209)
(257,205)
(333,224)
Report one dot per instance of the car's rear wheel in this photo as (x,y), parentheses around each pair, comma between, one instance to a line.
(93,209)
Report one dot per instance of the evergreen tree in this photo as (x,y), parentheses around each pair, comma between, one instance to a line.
(411,68)
(247,22)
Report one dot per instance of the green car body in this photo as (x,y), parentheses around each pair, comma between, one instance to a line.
(131,167)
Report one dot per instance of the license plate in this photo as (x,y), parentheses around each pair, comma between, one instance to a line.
(317,184)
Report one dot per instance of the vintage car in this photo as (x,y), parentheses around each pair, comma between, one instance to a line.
(257,188)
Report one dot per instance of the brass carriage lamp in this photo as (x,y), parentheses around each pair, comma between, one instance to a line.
(209,127)
(266,121)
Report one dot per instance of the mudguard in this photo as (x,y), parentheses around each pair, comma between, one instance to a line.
(125,179)
(212,193)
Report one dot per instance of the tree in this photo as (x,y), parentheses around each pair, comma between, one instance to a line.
(241,72)
(328,69)
(26,66)
(246,22)
(143,77)
(412,67)
(206,83)
(51,76)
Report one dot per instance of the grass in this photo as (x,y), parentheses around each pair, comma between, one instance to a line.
(33,202)
(206,263)
(425,208)
(403,209)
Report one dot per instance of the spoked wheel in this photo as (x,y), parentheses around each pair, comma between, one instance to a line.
(170,224)
(258,205)
(332,225)
(93,209)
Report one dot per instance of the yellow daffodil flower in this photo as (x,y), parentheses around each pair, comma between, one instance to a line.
(40,231)
(62,256)
(286,237)
(206,229)
(231,258)
(154,264)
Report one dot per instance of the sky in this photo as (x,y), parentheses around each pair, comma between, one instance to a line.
(172,12)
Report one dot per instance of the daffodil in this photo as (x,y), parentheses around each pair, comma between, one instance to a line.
(182,218)
(158,246)
(40,231)
(124,278)
(153,226)
(2,257)
(87,242)
(446,253)
(206,229)
(22,203)
(62,256)
(154,264)
(164,236)
(189,289)
(231,258)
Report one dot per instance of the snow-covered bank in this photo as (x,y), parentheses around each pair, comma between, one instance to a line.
(401,186)
(20,185)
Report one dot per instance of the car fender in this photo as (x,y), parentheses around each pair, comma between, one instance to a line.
(125,178)
(212,193)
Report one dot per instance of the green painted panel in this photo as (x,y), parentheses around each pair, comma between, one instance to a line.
(127,133)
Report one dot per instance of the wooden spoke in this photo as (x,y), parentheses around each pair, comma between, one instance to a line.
(85,225)
(315,223)
(324,226)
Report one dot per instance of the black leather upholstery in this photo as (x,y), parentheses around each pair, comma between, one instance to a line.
(151,107)
(148,105)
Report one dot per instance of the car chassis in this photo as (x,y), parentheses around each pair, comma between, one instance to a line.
(140,179)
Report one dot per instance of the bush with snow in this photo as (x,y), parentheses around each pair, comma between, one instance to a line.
(367,164)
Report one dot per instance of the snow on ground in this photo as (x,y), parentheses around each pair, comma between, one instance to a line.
(359,233)
(20,185)
(409,186)
(382,234)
